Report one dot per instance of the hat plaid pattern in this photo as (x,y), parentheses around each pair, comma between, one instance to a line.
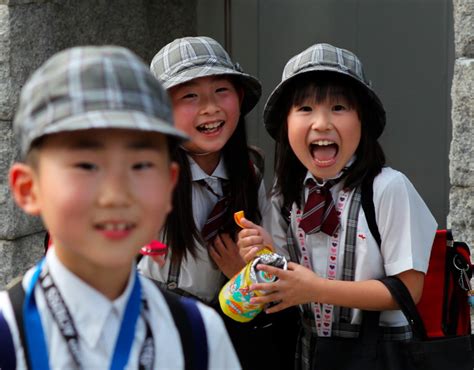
(92,87)
(188,58)
(320,57)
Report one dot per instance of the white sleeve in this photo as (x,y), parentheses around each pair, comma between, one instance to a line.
(221,352)
(277,226)
(407,227)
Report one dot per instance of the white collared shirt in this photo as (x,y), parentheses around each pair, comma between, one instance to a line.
(406,226)
(97,320)
(199,275)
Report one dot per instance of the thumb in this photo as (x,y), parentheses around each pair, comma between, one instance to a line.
(248,224)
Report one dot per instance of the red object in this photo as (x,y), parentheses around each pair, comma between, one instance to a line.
(444,306)
(154,248)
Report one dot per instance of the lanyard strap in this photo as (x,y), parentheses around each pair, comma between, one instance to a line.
(36,343)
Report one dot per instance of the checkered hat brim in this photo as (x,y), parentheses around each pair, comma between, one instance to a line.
(188,58)
(323,58)
(92,87)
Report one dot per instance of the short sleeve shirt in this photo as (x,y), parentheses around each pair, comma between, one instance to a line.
(406,226)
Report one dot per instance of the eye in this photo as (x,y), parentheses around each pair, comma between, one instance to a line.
(86,166)
(189,96)
(142,165)
(339,108)
(222,89)
(304,108)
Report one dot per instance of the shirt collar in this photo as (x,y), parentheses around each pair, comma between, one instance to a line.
(309,175)
(198,174)
(90,318)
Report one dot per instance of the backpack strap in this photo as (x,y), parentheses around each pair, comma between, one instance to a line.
(367,200)
(17,297)
(7,348)
(188,320)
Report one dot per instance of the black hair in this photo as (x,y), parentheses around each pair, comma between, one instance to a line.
(180,232)
(290,172)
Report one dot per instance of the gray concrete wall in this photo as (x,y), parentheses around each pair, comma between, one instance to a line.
(461,168)
(30,32)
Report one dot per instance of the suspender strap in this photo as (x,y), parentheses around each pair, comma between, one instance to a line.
(17,297)
(186,316)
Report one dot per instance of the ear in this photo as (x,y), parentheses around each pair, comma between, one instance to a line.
(22,182)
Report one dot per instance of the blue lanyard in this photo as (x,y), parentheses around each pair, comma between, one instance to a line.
(35,338)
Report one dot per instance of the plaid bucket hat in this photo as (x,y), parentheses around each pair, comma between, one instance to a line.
(188,58)
(92,87)
(322,58)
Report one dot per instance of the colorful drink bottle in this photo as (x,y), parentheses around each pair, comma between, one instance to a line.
(235,296)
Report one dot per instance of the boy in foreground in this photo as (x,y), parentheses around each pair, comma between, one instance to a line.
(95,131)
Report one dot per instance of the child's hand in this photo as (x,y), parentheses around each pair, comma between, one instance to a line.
(251,239)
(226,255)
(294,286)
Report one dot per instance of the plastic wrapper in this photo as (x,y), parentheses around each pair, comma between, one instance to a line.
(234,297)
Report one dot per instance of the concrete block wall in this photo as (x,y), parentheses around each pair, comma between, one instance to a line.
(30,32)
(461,168)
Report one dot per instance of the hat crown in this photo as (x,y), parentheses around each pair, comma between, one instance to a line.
(325,55)
(190,52)
(90,80)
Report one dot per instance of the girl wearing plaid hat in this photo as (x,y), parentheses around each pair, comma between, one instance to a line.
(326,120)
(211,96)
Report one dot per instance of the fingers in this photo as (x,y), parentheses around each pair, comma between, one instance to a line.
(249,254)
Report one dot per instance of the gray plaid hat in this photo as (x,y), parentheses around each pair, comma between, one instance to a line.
(321,57)
(188,58)
(92,87)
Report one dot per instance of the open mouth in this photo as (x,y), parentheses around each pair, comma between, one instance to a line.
(210,127)
(324,151)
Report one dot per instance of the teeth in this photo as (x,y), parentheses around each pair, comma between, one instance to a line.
(210,126)
(322,142)
(115,226)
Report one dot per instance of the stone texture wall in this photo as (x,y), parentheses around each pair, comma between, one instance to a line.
(30,32)
(461,216)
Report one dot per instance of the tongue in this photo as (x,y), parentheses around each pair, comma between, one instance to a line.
(324,153)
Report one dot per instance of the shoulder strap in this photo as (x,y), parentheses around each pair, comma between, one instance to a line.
(17,297)
(367,200)
(186,316)
(7,348)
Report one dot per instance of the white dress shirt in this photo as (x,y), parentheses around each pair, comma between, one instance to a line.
(199,275)
(97,320)
(407,229)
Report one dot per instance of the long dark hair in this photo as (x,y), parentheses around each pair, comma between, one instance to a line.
(290,172)
(180,232)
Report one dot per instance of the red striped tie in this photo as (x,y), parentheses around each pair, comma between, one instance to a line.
(319,213)
(218,216)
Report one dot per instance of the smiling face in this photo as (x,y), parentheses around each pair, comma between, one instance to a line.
(102,194)
(208,110)
(324,134)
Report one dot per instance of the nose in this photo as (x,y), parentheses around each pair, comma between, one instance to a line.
(209,105)
(114,190)
(321,121)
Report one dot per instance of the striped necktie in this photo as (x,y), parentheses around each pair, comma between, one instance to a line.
(319,213)
(219,214)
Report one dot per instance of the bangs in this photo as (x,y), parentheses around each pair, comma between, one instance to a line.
(321,87)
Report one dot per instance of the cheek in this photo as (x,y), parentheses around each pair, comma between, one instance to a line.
(184,118)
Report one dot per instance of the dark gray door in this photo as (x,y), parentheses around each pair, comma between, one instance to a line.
(407,50)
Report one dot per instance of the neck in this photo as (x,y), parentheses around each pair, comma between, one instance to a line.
(208,162)
(111,282)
